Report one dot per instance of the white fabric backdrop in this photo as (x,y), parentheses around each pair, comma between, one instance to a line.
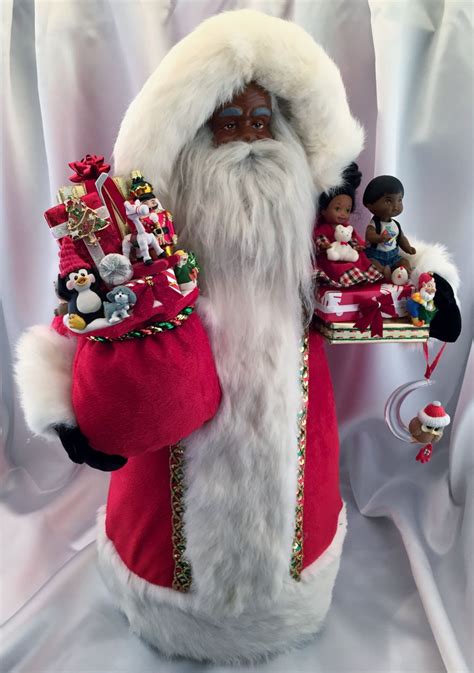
(404,598)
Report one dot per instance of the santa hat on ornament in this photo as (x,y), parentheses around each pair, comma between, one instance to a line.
(69,259)
(434,415)
(424,278)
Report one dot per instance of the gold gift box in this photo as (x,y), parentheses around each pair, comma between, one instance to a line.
(398,330)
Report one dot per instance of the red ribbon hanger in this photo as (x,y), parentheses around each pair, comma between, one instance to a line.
(431,367)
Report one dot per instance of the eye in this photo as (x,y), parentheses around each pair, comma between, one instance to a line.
(83,272)
(258,125)
(337,209)
(348,210)
(230,126)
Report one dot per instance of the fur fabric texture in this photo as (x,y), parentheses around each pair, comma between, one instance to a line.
(219,58)
(43,375)
(254,246)
(173,622)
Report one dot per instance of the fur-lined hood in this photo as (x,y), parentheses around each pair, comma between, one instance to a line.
(204,70)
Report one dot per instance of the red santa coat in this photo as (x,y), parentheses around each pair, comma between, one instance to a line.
(146,498)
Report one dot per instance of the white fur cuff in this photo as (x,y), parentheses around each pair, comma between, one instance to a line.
(43,374)
(172,622)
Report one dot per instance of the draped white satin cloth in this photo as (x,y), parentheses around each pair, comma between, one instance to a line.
(404,597)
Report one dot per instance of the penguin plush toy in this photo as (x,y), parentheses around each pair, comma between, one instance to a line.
(80,290)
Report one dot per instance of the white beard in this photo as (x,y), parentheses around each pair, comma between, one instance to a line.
(426,296)
(247,211)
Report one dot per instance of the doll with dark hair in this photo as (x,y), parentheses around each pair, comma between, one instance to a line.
(383,196)
(333,235)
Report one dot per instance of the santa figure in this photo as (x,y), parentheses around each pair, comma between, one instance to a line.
(226,547)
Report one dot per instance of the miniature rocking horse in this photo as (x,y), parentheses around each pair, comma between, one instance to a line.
(141,239)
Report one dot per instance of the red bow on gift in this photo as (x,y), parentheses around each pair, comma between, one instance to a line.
(88,168)
(371,313)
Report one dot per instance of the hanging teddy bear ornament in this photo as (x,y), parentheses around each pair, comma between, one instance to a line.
(428,425)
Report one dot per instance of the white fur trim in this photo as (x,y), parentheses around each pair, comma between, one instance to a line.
(432,258)
(205,69)
(170,621)
(43,374)
(434,421)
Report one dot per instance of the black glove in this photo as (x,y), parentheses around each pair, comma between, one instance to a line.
(79,450)
(446,325)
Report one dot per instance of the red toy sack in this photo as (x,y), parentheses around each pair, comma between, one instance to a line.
(144,375)
(146,392)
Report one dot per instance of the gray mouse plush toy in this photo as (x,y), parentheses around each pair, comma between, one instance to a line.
(121,300)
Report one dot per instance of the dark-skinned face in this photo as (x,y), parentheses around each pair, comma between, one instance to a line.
(388,206)
(246,118)
(338,209)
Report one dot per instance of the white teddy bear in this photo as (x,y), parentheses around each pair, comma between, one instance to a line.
(341,250)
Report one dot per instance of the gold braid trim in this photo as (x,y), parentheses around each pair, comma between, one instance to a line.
(182,572)
(182,568)
(296,564)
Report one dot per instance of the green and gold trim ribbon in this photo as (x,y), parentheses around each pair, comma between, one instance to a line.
(182,577)
(148,330)
(296,563)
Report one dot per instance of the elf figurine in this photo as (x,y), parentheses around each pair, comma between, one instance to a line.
(186,271)
(421,306)
(383,196)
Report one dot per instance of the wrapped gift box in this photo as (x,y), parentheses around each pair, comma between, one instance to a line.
(89,247)
(394,330)
(335,305)
(78,190)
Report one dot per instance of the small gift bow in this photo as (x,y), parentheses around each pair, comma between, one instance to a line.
(88,168)
(424,454)
(371,313)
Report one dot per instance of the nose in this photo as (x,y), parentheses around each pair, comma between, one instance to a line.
(248,136)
